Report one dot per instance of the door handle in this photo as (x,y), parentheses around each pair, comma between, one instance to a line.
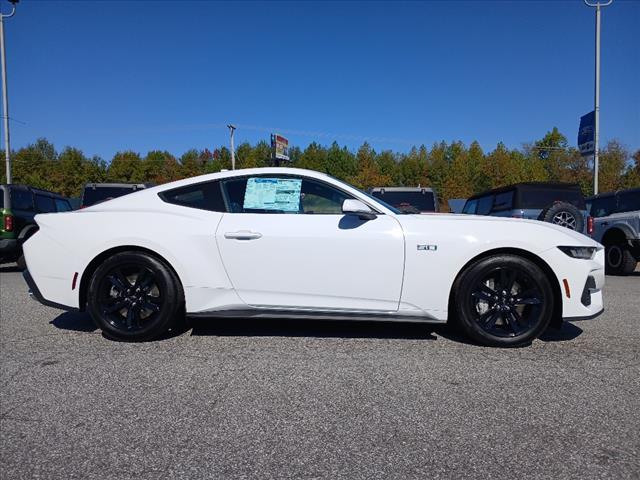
(243,235)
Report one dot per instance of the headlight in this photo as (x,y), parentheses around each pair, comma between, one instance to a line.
(585,253)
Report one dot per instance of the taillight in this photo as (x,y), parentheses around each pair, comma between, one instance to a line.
(8,223)
(589,225)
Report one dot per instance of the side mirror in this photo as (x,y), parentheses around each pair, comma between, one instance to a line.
(355,207)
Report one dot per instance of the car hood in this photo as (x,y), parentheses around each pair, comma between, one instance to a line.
(541,233)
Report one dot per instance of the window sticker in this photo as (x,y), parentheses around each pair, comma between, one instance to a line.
(282,194)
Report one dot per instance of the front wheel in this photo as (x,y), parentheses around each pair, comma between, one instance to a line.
(134,296)
(503,301)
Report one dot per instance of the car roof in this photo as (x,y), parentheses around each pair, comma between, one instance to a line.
(208,177)
(33,189)
(243,172)
(402,189)
(611,194)
(525,185)
(112,185)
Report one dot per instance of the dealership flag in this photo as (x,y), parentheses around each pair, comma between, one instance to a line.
(585,134)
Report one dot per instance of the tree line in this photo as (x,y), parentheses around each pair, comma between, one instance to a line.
(453,169)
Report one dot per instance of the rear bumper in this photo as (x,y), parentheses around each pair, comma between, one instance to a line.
(34,292)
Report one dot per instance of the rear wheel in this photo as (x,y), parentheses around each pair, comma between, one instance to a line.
(135,296)
(619,260)
(503,301)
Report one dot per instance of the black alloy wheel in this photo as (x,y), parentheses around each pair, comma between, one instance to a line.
(134,296)
(504,300)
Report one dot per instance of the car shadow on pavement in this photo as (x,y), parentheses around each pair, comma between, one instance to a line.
(252,327)
(77,321)
(567,332)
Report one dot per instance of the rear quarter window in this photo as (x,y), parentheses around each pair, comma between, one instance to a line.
(484,205)
(62,205)
(44,204)
(503,201)
(470,207)
(21,200)
(203,196)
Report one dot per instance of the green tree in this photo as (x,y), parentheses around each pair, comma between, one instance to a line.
(314,157)
(368,172)
(340,162)
(613,163)
(191,164)
(126,167)
(632,175)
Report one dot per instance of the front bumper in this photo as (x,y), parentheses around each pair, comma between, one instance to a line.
(581,283)
(34,293)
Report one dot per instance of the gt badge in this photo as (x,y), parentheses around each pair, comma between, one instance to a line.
(427,247)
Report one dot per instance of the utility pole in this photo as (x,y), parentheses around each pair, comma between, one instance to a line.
(5,93)
(596,123)
(232,129)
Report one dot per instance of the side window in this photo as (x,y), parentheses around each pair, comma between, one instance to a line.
(282,195)
(470,207)
(62,205)
(44,204)
(21,199)
(203,196)
(484,205)
(629,201)
(320,198)
(603,206)
(503,201)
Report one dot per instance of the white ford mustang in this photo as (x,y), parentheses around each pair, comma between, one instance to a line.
(284,242)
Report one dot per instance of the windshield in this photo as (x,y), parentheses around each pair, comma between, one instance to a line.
(92,195)
(420,201)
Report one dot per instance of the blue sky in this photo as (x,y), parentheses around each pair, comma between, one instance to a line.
(115,75)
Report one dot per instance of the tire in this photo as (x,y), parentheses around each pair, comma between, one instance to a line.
(503,301)
(134,296)
(563,214)
(619,260)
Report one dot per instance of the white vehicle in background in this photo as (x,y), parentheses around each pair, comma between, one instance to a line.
(284,242)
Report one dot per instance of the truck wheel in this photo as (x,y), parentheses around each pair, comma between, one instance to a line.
(563,214)
(619,260)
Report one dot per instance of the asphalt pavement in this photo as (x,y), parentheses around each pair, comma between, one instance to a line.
(316,399)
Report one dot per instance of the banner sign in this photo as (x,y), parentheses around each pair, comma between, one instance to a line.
(586,134)
(280,146)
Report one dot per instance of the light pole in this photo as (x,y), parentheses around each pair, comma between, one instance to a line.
(232,128)
(596,107)
(5,94)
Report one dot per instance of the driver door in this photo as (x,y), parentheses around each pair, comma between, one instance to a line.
(287,244)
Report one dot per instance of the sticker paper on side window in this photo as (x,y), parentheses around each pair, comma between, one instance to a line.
(282,194)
